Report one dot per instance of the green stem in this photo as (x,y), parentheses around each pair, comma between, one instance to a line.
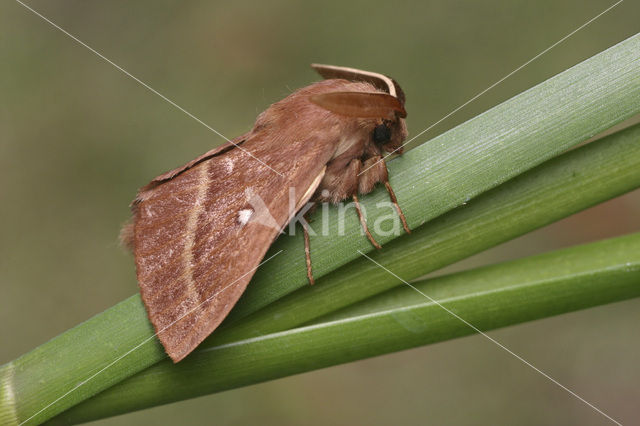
(574,181)
(554,190)
(487,298)
(470,159)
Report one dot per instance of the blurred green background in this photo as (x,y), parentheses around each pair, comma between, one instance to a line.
(78,137)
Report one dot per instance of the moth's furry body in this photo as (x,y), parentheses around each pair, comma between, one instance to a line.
(198,238)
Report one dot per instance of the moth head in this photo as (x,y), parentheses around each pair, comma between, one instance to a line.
(390,135)
(382,112)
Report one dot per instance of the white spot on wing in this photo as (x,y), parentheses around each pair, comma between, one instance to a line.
(244,216)
(228,164)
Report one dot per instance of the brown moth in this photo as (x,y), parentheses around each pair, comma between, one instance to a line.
(196,232)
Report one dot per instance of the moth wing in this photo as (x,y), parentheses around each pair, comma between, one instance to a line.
(199,236)
(211,153)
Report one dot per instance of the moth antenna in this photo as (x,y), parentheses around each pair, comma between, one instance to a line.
(394,200)
(380,81)
(363,222)
(360,104)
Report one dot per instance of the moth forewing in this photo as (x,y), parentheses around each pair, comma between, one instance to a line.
(197,235)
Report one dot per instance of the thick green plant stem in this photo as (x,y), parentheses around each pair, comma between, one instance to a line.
(46,373)
(488,298)
(478,155)
(556,189)
(576,180)
(429,180)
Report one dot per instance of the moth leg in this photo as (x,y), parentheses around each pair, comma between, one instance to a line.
(340,183)
(307,251)
(394,200)
(376,171)
(363,222)
(354,170)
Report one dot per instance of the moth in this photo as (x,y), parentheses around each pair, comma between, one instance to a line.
(198,232)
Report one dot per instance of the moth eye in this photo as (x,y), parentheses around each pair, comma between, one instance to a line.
(382,133)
